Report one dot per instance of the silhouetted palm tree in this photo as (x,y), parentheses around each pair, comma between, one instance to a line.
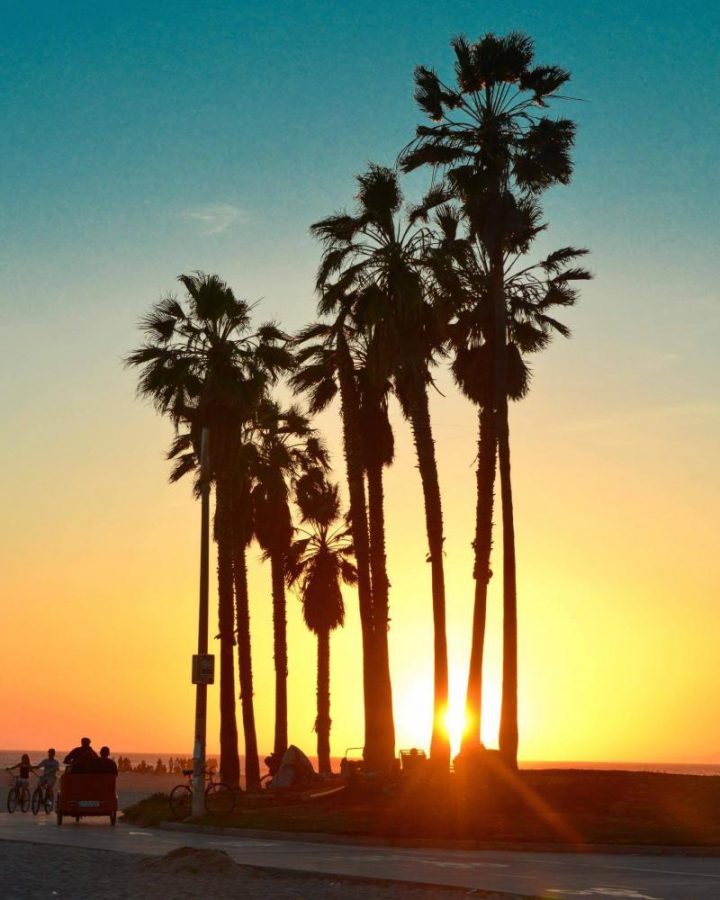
(373,264)
(203,366)
(286,447)
(319,559)
(326,368)
(531,292)
(496,148)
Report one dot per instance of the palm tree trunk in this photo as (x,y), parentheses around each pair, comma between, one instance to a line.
(229,761)
(376,739)
(419,412)
(277,567)
(252,765)
(381,603)
(323,722)
(487,450)
(508,737)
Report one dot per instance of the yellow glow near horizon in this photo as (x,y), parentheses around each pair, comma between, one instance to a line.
(110,564)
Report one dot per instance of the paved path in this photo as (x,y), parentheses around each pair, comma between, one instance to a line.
(546,875)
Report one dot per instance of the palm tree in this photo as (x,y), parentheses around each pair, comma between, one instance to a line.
(531,291)
(496,149)
(373,264)
(319,559)
(326,368)
(203,366)
(286,447)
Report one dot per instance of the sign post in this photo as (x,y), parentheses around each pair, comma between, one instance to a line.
(202,669)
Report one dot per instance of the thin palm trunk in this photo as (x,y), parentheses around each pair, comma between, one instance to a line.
(277,568)
(419,411)
(323,722)
(508,737)
(229,761)
(242,612)
(487,451)
(379,749)
(381,601)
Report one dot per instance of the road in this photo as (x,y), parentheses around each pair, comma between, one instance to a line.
(546,875)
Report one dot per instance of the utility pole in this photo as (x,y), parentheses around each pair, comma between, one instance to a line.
(203,667)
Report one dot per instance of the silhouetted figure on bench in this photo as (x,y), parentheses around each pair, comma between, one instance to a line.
(81,758)
(103,765)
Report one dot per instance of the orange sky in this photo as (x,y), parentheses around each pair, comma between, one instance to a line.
(618,574)
(170,145)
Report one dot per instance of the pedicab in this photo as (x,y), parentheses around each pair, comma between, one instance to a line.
(83,795)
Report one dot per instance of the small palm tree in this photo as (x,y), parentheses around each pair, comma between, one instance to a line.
(203,366)
(326,368)
(286,446)
(319,560)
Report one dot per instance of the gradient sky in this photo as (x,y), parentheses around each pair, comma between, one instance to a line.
(141,140)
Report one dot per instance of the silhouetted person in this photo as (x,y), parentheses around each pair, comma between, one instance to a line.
(50,768)
(104,765)
(81,758)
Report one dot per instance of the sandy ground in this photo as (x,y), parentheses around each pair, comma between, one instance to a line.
(131,787)
(34,872)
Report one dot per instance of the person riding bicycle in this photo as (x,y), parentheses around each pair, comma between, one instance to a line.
(22,779)
(50,767)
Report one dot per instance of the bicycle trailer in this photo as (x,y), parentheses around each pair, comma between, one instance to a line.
(87,795)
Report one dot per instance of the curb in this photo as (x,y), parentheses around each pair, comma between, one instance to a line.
(314,837)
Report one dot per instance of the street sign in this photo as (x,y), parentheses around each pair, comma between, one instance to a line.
(203,668)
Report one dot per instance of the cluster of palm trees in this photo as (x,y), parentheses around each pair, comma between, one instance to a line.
(402,289)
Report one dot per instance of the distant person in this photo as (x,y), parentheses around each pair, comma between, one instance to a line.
(50,768)
(104,765)
(81,758)
(22,779)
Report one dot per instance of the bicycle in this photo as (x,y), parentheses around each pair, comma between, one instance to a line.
(43,796)
(19,795)
(219,797)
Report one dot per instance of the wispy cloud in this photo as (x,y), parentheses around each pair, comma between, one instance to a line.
(215,219)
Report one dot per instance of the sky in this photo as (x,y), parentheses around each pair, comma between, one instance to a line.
(142,140)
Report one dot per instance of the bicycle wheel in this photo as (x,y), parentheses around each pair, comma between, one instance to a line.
(36,800)
(219,799)
(12,800)
(181,801)
(49,801)
(25,800)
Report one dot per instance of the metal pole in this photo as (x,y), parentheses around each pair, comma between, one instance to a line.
(198,803)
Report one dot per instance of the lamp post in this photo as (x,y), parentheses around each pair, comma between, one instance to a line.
(200,672)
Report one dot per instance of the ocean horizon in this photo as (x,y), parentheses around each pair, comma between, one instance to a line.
(10,757)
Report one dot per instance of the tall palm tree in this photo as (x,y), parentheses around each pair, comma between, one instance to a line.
(204,366)
(378,445)
(326,368)
(286,447)
(319,560)
(495,149)
(373,265)
(532,291)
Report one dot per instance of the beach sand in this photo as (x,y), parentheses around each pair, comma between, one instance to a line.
(132,787)
(33,872)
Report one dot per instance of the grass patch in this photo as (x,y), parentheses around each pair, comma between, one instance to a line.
(562,806)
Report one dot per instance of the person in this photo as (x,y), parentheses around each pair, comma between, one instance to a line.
(22,779)
(80,758)
(50,767)
(105,765)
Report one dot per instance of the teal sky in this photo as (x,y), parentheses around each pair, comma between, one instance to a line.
(143,139)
